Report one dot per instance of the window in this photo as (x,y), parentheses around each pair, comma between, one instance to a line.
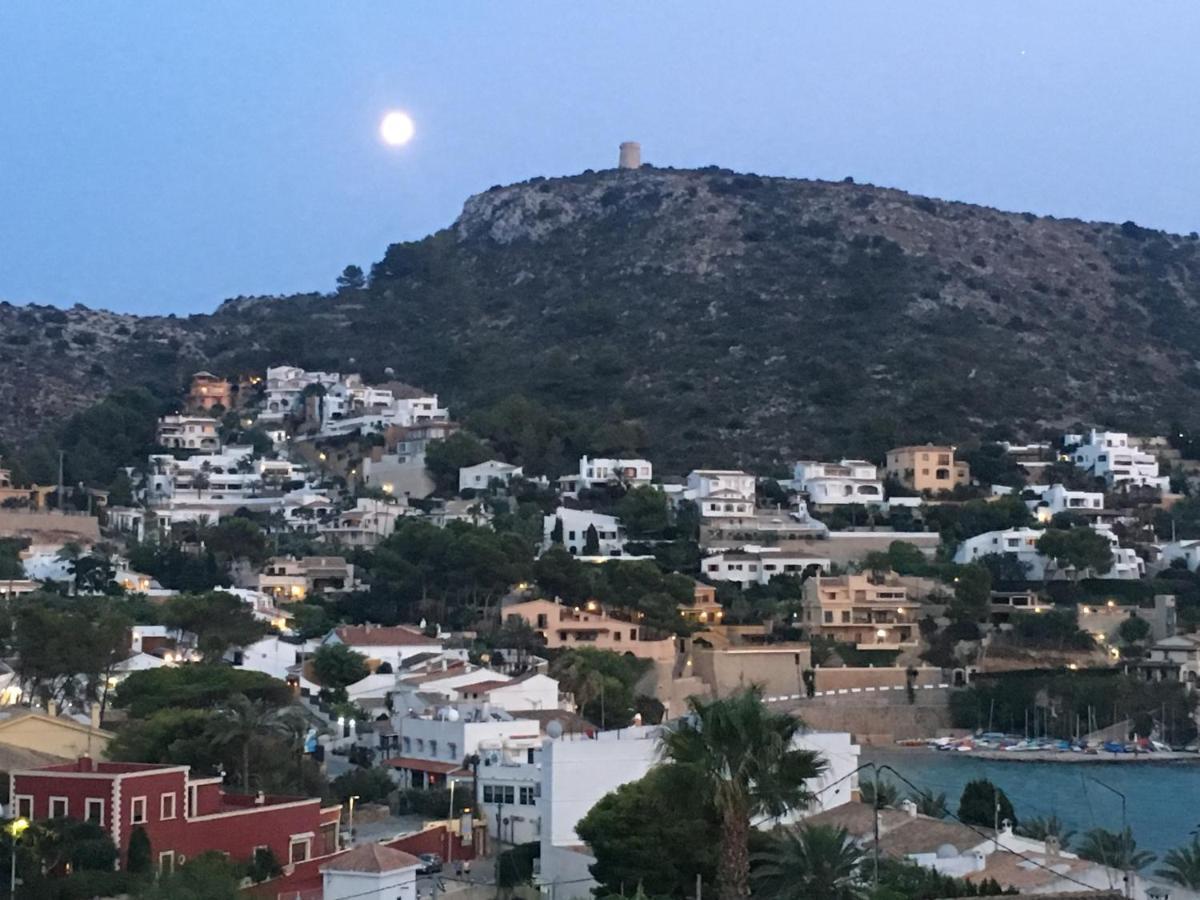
(298,849)
(166,862)
(499,793)
(845,616)
(408,745)
(616,635)
(24,804)
(94,810)
(433,748)
(529,756)
(527,798)
(828,617)
(166,806)
(137,810)
(58,807)
(452,750)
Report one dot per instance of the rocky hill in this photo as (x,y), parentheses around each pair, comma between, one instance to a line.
(710,316)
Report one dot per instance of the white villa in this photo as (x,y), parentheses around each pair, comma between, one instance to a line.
(1112,456)
(1021,543)
(1050,500)
(575,525)
(757,565)
(830,484)
(594,472)
(479,477)
(196,433)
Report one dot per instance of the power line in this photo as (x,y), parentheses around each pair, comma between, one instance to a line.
(983,835)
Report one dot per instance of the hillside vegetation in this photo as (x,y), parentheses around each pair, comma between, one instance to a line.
(701,317)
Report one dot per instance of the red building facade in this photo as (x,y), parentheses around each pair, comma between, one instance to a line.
(182,816)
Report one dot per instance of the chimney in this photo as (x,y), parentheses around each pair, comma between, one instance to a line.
(51,708)
(94,714)
(1053,845)
(909,807)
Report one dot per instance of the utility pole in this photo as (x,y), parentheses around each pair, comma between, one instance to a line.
(875,845)
(1125,836)
(699,886)
(996,816)
(61,454)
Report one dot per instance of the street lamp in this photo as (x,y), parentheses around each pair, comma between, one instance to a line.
(16,828)
(353,797)
(1124,833)
(449,824)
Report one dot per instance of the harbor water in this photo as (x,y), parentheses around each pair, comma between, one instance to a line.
(1162,799)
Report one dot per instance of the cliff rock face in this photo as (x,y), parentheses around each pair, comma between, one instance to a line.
(737,318)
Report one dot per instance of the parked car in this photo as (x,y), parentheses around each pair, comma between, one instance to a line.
(430,863)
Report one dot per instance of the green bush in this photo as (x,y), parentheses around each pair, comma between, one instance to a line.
(369,785)
(433,803)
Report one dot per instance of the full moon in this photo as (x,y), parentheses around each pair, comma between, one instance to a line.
(396,129)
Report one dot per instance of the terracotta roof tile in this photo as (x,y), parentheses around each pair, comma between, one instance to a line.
(372,858)
(383,636)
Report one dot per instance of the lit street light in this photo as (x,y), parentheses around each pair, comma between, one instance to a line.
(16,828)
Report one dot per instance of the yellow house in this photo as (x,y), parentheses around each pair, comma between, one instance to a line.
(589,625)
(869,611)
(56,735)
(926,468)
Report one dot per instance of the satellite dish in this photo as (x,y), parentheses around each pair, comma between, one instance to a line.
(451,714)
(388,370)
(555,729)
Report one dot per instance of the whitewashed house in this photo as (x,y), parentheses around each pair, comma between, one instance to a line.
(480,477)
(1021,544)
(285,389)
(370,871)
(1188,551)
(1112,456)
(721,493)
(391,644)
(835,484)
(596,472)
(574,527)
(758,565)
(368,524)
(196,433)
(513,694)
(1047,501)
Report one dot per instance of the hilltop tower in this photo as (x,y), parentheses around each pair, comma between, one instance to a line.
(631,155)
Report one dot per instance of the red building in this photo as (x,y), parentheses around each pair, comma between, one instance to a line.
(182,816)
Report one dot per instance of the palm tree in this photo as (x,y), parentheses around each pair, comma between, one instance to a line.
(928,803)
(240,722)
(809,861)
(879,793)
(1182,865)
(1116,849)
(1040,828)
(743,756)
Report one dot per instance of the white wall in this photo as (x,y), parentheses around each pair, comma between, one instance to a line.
(400,884)
(538,692)
(577,773)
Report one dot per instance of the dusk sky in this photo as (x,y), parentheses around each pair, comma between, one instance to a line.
(161,157)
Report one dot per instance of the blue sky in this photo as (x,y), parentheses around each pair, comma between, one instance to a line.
(161,157)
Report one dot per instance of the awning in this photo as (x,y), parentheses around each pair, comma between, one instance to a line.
(423,765)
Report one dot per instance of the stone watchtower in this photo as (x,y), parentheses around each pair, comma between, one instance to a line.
(631,155)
